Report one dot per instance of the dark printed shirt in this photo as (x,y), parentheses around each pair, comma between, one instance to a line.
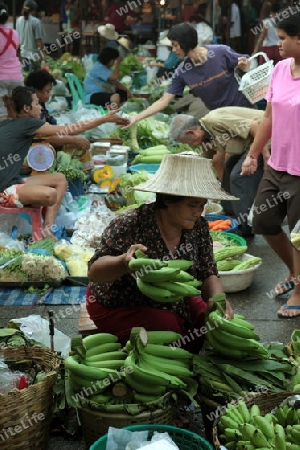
(139,226)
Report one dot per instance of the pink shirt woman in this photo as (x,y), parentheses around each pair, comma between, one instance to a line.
(10,66)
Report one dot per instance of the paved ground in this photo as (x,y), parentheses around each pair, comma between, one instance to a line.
(254,303)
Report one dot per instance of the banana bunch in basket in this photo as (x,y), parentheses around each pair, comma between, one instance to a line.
(246,428)
(164,281)
(233,338)
(153,366)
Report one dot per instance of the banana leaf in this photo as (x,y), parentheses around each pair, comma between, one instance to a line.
(276,350)
(233,384)
(264,365)
(248,377)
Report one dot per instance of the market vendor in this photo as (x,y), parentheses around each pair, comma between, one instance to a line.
(226,131)
(17,133)
(172,227)
(208,71)
(42,81)
(101,84)
(166,68)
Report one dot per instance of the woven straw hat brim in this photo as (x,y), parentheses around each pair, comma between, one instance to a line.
(185,175)
(108,33)
(166,41)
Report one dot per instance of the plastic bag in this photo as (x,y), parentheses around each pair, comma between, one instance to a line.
(151,73)
(295,236)
(37,328)
(118,438)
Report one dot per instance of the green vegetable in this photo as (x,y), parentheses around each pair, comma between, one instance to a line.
(72,168)
(133,134)
(130,64)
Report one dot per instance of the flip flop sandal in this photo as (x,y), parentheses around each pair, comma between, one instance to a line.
(285,287)
(289,307)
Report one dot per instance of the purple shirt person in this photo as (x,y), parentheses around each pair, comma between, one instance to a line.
(208,71)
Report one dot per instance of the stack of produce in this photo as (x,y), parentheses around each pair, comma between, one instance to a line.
(151,155)
(106,377)
(75,257)
(36,264)
(227,259)
(242,428)
(164,281)
(151,371)
(235,363)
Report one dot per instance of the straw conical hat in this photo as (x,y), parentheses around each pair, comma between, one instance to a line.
(108,31)
(187,175)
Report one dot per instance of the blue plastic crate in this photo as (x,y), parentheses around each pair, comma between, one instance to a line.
(142,29)
(151,168)
(234,222)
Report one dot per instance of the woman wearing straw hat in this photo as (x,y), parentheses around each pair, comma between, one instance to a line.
(167,67)
(170,228)
(108,36)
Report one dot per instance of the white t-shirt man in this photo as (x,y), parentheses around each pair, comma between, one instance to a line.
(235,19)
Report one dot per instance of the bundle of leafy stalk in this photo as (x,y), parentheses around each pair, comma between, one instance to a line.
(72,168)
(130,64)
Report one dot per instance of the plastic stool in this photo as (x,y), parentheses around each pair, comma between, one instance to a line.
(35,215)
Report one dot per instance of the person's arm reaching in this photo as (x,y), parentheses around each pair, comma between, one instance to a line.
(262,136)
(157,106)
(116,72)
(80,127)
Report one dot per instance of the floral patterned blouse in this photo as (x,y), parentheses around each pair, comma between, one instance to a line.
(139,226)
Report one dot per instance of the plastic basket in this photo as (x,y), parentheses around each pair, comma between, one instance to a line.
(28,410)
(236,281)
(151,168)
(185,439)
(254,84)
(266,401)
(233,239)
(234,222)
(96,423)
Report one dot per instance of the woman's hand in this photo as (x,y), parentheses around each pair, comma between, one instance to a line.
(249,166)
(114,118)
(127,257)
(81,142)
(132,121)
(212,306)
(243,64)
(229,313)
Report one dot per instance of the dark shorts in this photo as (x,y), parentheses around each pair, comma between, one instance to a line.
(278,196)
(102,98)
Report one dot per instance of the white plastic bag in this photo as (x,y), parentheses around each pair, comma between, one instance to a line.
(151,73)
(37,328)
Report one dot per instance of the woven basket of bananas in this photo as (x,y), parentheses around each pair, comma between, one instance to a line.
(250,421)
(25,414)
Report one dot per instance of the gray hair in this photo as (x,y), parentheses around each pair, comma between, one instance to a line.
(180,124)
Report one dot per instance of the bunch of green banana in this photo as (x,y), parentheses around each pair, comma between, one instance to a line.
(246,429)
(164,281)
(233,338)
(153,367)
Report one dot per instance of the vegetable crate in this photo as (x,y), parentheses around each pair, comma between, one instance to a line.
(236,281)
(25,415)
(213,217)
(266,402)
(96,423)
(185,440)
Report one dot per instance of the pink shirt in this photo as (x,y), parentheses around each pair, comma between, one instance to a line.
(284,94)
(10,66)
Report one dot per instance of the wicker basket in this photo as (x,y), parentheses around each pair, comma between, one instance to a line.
(266,402)
(185,440)
(96,423)
(25,415)
(254,84)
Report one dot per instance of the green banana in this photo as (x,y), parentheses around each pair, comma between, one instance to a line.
(290,446)
(80,384)
(242,322)
(244,445)
(108,356)
(280,441)
(87,373)
(142,388)
(159,276)
(247,431)
(154,292)
(178,288)
(295,435)
(153,375)
(183,277)
(166,351)
(102,349)
(233,328)
(194,283)
(143,398)
(98,339)
(233,412)
(140,254)
(263,425)
(166,366)
(235,341)
(222,349)
(232,435)
(145,264)
(112,364)
(292,417)
(102,399)
(270,418)
(254,411)
(182,264)
(227,422)
(244,411)
(162,337)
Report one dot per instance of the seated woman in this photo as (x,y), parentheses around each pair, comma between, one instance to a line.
(166,68)
(101,83)
(17,133)
(170,228)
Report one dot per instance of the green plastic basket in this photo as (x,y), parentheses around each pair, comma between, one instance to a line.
(238,240)
(185,439)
